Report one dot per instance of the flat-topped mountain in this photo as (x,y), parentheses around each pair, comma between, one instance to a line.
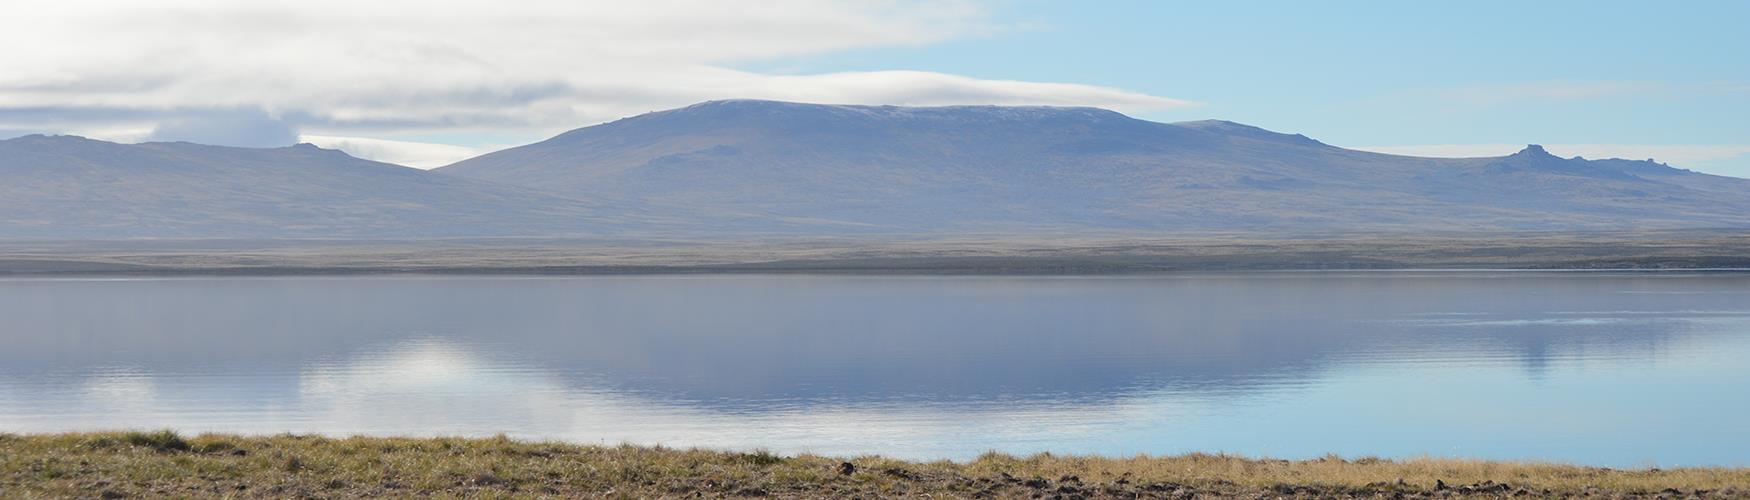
(890,169)
(757,168)
(72,187)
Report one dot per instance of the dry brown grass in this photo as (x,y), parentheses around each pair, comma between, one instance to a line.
(163,464)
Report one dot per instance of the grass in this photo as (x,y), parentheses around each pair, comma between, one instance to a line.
(163,463)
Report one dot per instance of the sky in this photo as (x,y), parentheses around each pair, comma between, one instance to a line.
(425,83)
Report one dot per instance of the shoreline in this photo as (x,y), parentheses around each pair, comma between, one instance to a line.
(823,272)
(1016,271)
(1721,251)
(163,463)
(880,267)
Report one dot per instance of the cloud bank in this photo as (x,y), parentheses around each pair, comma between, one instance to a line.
(408,153)
(259,72)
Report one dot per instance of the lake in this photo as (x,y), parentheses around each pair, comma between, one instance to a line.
(1616,369)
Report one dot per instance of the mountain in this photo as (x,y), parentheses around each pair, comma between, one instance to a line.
(727,169)
(889,169)
(72,187)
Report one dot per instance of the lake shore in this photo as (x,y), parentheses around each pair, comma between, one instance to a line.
(161,464)
(937,255)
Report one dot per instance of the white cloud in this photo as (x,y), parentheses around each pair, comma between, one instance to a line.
(919,88)
(408,153)
(383,68)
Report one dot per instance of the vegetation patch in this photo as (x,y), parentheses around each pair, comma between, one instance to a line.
(165,464)
(164,440)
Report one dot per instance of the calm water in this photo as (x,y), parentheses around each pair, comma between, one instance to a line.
(1611,369)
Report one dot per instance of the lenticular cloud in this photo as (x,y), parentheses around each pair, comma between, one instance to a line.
(131,71)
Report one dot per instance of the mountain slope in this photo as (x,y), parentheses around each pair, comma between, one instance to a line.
(71,187)
(888,169)
(754,168)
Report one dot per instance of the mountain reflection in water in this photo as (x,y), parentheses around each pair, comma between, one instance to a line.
(1620,369)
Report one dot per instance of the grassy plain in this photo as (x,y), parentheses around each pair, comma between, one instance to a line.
(164,464)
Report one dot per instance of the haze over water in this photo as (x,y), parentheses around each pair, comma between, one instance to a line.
(1620,369)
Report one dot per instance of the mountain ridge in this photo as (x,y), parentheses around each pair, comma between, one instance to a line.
(1038,168)
(746,168)
(70,186)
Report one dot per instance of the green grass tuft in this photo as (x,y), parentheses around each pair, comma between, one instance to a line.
(164,440)
(761,458)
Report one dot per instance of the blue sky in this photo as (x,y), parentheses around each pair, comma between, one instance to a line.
(1384,73)
(427,82)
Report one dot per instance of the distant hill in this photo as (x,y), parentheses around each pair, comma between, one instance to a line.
(889,169)
(71,187)
(756,168)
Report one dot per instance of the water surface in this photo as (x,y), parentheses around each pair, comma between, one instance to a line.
(1624,369)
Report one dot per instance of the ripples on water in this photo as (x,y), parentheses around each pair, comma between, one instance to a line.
(1595,368)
